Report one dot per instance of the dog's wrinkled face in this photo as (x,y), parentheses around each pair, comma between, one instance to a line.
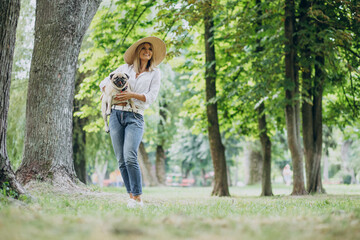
(119,79)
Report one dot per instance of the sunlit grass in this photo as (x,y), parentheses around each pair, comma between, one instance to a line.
(184,213)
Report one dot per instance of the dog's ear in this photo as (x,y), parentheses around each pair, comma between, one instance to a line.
(127,75)
(111,75)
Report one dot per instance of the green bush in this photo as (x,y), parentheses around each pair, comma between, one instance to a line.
(347,179)
(7,191)
(334,169)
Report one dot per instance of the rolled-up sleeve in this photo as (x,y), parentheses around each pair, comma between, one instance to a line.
(154,88)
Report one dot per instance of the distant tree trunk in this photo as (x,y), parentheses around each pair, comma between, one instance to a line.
(292,108)
(59,30)
(203,177)
(9,15)
(217,149)
(326,167)
(160,165)
(79,135)
(254,159)
(236,175)
(229,176)
(160,152)
(345,149)
(100,169)
(149,177)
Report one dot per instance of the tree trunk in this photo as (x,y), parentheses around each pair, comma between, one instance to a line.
(292,108)
(79,135)
(100,169)
(160,152)
(264,139)
(326,168)
(59,29)
(203,177)
(9,15)
(266,152)
(149,177)
(160,165)
(229,176)
(312,108)
(345,149)
(217,149)
(254,165)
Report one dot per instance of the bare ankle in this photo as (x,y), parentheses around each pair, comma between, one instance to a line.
(137,198)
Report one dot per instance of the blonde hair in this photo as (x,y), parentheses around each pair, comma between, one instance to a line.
(150,65)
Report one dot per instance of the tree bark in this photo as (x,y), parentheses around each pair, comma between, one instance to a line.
(59,29)
(79,135)
(217,149)
(160,152)
(292,108)
(311,107)
(254,165)
(203,177)
(160,165)
(345,149)
(9,15)
(266,152)
(149,177)
(326,168)
(100,169)
(313,158)
(264,138)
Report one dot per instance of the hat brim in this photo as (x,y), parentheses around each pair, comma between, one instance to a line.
(159,50)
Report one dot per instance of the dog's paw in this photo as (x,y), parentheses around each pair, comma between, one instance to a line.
(107,130)
(108,112)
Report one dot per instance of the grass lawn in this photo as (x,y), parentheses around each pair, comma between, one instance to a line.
(183,213)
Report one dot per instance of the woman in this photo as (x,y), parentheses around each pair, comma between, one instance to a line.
(127,124)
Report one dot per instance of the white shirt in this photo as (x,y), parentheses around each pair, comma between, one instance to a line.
(147,83)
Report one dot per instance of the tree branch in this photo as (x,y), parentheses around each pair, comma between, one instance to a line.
(133,25)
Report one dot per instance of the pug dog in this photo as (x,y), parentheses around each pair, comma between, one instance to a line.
(118,83)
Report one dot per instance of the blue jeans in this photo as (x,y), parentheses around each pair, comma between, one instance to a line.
(126,131)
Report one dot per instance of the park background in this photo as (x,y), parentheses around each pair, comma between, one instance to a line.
(176,139)
(244,46)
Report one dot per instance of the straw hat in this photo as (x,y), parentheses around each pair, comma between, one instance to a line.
(159,50)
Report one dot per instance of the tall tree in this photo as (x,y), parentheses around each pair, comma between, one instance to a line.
(160,152)
(253,163)
(312,91)
(292,109)
(9,15)
(217,149)
(266,152)
(59,30)
(263,132)
(148,175)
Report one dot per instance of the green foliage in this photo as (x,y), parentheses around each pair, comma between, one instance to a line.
(7,191)
(191,152)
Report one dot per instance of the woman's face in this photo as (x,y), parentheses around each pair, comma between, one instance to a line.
(145,52)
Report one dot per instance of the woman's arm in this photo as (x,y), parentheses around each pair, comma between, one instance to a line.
(127,95)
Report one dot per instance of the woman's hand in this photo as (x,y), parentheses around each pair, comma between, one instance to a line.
(127,95)
(124,96)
